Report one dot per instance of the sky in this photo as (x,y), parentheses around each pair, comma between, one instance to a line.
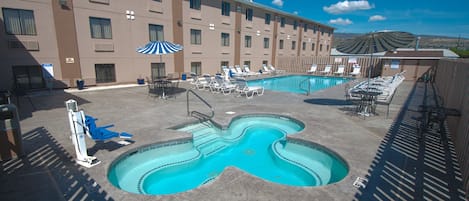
(419,17)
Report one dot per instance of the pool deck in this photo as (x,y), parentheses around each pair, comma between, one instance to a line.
(385,151)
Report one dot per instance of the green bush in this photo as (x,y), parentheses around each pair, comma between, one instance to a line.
(461,53)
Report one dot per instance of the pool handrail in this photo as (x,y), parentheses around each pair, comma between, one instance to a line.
(308,91)
(196,113)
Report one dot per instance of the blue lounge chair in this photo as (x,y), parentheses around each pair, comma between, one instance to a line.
(102,133)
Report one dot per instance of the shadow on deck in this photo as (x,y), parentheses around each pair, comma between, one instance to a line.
(407,167)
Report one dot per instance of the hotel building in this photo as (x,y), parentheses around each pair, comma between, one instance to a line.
(57,42)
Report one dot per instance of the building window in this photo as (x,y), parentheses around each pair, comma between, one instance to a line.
(280,44)
(28,77)
(265,62)
(266,43)
(158,71)
(157,0)
(315,28)
(225,39)
(100,28)
(249,14)
(194,4)
(196,37)
(225,8)
(156,32)
(293,45)
(267,18)
(320,47)
(105,73)
(247,41)
(282,22)
(19,22)
(305,27)
(224,63)
(247,63)
(295,25)
(304,46)
(312,47)
(327,48)
(196,67)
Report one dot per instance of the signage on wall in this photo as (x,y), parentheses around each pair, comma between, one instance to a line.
(69,60)
(394,64)
(48,70)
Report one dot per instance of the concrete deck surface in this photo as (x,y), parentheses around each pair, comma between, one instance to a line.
(385,151)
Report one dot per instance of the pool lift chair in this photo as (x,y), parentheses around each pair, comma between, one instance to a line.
(81,125)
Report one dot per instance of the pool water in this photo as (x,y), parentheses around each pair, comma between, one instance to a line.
(255,144)
(298,83)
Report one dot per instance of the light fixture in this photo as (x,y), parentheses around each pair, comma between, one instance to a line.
(130,14)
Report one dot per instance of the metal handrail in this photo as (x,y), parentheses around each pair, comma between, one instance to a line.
(308,91)
(201,99)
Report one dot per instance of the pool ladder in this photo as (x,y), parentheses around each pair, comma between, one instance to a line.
(199,115)
(308,90)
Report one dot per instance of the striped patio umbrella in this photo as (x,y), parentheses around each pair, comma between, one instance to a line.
(375,42)
(159,48)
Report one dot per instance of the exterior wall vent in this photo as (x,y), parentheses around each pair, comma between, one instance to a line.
(27,45)
(101,47)
(101,1)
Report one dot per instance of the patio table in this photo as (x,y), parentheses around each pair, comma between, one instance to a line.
(368,100)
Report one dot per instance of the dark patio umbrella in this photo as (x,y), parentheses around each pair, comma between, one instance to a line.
(375,42)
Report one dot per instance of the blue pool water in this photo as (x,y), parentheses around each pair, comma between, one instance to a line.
(298,83)
(255,144)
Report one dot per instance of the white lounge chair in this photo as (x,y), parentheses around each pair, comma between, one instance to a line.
(272,68)
(224,86)
(340,70)
(249,72)
(266,70)
(243,88)
(356,70)
(326,70)
(313,69)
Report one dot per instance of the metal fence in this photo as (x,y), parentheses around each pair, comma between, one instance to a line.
(303,64)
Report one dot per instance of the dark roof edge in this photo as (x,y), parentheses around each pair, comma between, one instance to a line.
(261,6)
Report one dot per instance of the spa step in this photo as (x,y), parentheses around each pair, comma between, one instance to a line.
(212,148)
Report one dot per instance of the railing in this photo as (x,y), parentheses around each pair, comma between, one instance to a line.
(198,114)
(308,91)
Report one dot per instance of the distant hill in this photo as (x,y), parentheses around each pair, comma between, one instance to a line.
(426,41)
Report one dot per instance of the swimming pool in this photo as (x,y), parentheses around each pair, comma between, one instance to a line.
(298,83)
(256,144)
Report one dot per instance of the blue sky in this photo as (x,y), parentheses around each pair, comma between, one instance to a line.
(419,17)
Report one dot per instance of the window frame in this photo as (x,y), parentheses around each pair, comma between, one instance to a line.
(267,18)
(21,20)
(282,22)
(293,45)
(225,8)
(266,43)
(247,41)
(225,39)
(280,44)
(195,4)
(156,31)
(101,24)
(111,78)
(196,36)
(198,67)
(249,13)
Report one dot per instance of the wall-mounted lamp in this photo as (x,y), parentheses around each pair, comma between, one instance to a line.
(130,14)
(211,26)
(258,33)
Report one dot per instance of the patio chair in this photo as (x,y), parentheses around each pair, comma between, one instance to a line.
(243,88)
(249,72)
(224,86)
(356,70)
(272,68)
(340,70)
(102,133)
(326,70)
(266,70)
(313,68)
